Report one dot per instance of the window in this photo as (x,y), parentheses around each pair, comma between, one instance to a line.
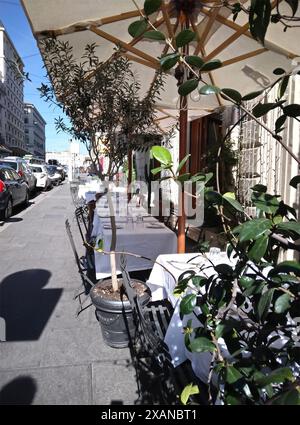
(36,169)
(10,164)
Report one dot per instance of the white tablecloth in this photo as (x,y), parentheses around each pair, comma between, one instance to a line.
(136,238)
(162,284)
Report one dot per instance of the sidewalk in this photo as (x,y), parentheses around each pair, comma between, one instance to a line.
(52,357)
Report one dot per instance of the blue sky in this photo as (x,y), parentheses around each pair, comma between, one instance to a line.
(18,28)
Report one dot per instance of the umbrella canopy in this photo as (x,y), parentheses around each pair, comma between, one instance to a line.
(247,65)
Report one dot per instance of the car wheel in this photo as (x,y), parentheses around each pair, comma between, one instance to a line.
(6,214)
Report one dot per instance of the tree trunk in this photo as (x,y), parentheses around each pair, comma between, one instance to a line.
(114,279)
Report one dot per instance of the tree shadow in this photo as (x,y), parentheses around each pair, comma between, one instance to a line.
(25,306)
(19,391)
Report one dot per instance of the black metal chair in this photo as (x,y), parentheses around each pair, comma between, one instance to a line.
(152,321)
(87,283)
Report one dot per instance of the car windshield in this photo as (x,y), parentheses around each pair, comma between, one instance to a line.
(12,164)
(36,169)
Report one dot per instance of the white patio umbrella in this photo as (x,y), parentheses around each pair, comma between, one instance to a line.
(247,65)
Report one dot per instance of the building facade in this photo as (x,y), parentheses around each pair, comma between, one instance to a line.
(35,124)
(12,134)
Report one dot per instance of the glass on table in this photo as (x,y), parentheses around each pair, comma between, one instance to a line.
(214,254)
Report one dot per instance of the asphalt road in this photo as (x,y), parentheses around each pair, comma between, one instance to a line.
(49,356)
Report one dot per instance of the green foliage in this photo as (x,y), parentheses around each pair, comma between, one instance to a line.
(137,28)
(184,37)
(188,86)
(259,18)
(151,6)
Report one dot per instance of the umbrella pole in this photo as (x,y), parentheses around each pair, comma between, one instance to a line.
(183,122)
(129,178)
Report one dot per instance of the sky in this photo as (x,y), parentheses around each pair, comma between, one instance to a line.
(18,29)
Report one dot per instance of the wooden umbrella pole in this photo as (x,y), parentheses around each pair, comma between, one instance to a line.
(183,121)
(129,178)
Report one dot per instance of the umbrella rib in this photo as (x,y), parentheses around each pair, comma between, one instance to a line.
(167,19)
(238,33)
(140,60)
(124,45)
(243,57)
(84,25)
(202,37)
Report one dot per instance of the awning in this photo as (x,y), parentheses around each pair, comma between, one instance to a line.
(247,65)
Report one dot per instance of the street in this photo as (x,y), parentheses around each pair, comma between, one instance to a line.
(50,356)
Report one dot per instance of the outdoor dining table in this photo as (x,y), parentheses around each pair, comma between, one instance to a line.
(139,234)
(162,284)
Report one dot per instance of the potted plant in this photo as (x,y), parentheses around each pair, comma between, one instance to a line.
(107,114)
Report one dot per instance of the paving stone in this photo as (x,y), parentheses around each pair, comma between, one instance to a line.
(63,357)
(68,385)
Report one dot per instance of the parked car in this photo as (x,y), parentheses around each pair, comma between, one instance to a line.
(41,174)
(61,171)
(21,167)
(54,175)
(13,191)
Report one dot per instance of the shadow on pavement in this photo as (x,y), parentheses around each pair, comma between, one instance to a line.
(20,391)
(25,305)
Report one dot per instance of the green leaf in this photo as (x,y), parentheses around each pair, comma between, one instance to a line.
(263,108)
(259,18)
(282,303)
(294,226)
(184,177)
(154,35)
(137,28)
(232,94)
(277,376)
(295,181)
(211,65)
(286,267)
(293,5)
(283,86)
(188,86)
(208,89)
(255,228)
(157,170)
(162,155)
(292,110)
(151,6)
(201,345)
(232,375)
(246,281)
(252,95)
(232,201)
(289,398)
(184,37)
(187,392)
(265,202)
(199,280)
(259,188)
(213,197)
(279,123)
(264,303)
(259,248)
(194,61)
(278,71)
(182,162)
(188,303)
(167,62)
